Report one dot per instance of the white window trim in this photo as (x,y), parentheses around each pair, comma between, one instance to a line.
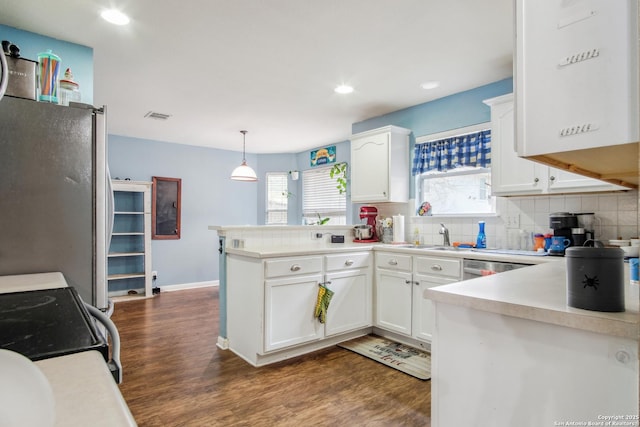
(267,210)
(443,135)
(453,132)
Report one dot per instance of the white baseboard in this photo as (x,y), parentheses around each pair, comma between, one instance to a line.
(223,343)
(194,285)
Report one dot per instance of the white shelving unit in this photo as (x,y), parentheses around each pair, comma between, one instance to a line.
(129,268)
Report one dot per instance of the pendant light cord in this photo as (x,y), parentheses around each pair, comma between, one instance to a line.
(244,137)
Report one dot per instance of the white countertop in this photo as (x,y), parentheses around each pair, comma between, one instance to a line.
(299,250)
(85,392)
(538,293)
(32,282)
(319,248)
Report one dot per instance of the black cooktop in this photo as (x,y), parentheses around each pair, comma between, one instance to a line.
(48,323)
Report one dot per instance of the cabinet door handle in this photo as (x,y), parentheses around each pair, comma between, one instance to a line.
(408,282)
(552,178)
(295,267)
(436,267)
(393,262)
(348,262)
(536,180)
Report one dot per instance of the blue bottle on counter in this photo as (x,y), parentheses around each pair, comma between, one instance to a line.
(481,241)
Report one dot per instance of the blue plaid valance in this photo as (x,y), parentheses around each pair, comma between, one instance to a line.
(473,149)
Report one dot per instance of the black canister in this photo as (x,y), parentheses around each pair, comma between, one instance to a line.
(595,278)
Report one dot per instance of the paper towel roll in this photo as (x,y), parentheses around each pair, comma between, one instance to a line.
(398,228)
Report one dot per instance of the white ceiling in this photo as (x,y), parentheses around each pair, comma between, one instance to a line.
(270,67)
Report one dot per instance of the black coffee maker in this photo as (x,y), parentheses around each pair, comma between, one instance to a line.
(561,223)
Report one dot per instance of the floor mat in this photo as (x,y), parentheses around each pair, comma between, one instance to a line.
(398,356)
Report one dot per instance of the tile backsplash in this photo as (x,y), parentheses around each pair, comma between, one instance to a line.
(617,213)
(517,216)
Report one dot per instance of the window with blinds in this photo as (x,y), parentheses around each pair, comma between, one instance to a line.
(277,198)
(321,198)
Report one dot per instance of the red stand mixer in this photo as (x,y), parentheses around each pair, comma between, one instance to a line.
(366,233)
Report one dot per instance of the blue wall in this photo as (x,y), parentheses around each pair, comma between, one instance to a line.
(209,197)
(451,112)
(77,57)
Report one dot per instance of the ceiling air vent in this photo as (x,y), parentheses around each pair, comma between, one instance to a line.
(157,116)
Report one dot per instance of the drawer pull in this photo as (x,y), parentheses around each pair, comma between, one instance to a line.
(393,261)
(348,262)
(436,267)
(295,267)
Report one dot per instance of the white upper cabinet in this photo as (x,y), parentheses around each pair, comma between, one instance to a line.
(380,165)
(512,175)
(576,75)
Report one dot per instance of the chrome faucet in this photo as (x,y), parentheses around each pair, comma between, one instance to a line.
(445,233)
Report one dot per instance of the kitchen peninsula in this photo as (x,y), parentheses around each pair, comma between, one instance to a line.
(271,283)
(510,351)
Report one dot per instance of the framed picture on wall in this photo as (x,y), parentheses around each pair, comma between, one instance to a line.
(323,156)
(165,208)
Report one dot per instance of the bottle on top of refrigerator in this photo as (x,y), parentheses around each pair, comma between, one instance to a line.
(481,241)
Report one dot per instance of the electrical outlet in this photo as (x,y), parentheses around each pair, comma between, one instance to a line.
(154,275)
(512,221)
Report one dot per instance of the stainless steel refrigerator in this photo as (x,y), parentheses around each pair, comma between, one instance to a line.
(55,193)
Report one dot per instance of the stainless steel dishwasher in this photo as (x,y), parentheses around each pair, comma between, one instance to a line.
(472,268)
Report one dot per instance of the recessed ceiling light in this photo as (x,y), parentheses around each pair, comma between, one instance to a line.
(343,89)
(430,85)
(115,17)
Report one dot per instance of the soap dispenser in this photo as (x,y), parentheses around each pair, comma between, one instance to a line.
(481,241)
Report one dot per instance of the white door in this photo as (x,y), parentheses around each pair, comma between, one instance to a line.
(562,181)
(423,314)
(511,174)
(350,306)
(393,301)
(370,168)
(289,311)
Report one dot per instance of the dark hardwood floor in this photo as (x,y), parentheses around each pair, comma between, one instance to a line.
(174,375)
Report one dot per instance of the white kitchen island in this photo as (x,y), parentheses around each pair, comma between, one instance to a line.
(508,351)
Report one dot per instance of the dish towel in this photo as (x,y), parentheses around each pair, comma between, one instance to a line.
(322,303)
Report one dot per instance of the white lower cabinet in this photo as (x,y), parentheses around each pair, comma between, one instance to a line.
(400,284)
(394,295)
(288,311)
(430,272)
(350,306)
(271,303)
